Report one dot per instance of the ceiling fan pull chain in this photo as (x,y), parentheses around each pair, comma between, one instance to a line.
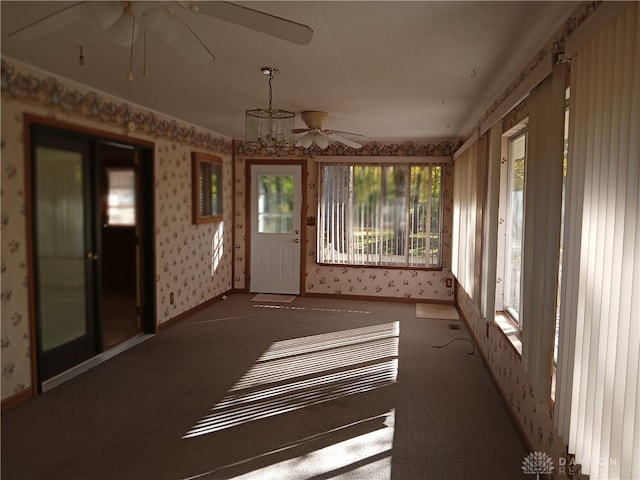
(144,40)
(133,31)
(270,91)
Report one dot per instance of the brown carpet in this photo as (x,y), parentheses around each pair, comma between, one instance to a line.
(314,389)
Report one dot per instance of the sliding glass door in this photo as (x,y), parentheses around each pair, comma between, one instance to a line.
(65,251)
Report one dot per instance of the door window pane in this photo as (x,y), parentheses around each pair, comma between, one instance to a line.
(275,203)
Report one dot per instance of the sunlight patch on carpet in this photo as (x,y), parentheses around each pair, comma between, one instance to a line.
(436,311)
(271,297)
(300,372)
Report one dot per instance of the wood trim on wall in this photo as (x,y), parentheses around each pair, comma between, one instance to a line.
(372,298)
(17,399)
(161,327)
(521,431)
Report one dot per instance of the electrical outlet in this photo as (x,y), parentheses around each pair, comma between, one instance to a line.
(171,298)
(448,282)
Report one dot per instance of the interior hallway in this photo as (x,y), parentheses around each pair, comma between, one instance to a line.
(300,390)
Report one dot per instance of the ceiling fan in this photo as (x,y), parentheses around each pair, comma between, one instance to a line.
(315,134)
(122,21)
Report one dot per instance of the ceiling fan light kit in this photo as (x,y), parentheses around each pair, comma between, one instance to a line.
(269,126)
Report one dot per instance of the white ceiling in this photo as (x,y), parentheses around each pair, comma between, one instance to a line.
(395,71)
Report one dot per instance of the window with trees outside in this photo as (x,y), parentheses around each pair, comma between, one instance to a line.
(381,215)
(514,224)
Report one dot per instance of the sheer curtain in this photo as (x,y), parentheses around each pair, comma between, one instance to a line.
(597,401)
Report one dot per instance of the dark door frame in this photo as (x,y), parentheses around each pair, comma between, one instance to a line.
(146,183)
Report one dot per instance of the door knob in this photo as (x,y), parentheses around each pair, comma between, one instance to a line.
(92,256)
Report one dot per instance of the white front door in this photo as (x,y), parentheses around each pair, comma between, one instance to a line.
(276,203)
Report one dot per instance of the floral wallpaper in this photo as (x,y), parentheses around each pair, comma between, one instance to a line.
(15,347)
(533,410)
(415,284)
(193,262)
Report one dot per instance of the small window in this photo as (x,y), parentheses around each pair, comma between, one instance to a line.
(206,188)
(121,198)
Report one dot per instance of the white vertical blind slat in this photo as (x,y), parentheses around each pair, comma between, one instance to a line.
(542,218)
(468,202)
(597,401)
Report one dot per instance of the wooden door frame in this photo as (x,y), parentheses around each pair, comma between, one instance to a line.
(147,274)
(303,209)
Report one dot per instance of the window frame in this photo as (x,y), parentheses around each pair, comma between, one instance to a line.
(408,165)
(521,128)
(198,162)
(509,217)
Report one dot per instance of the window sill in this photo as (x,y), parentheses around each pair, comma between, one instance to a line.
(510,331)
(386,267)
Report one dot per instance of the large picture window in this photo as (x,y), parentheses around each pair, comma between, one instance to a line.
(386,215)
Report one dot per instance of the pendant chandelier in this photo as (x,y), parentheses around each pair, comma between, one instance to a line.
(269,126)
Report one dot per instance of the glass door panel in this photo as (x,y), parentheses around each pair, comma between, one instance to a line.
(65,258)
(60,246)
(275,203)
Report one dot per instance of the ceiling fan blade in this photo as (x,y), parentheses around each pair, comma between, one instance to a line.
(179,37)
(305,141)
(256,20)
(300,130)
(50,24)
(345,133)
(102,15)
(152,17)
(343,140)
(124,31)
(320,140)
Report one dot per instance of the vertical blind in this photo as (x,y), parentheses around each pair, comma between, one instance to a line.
(597,406)
(490,227)
(543,204)
(468,200)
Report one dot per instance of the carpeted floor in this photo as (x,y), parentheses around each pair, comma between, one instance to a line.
(313,389)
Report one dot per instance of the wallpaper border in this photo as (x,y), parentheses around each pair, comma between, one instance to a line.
(53,94)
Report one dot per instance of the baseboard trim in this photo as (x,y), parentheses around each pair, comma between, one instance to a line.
(178,318)
(503,396)
(371,298)
(16,399)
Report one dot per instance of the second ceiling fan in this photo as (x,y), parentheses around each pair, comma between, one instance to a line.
(315,134)
(123,19)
